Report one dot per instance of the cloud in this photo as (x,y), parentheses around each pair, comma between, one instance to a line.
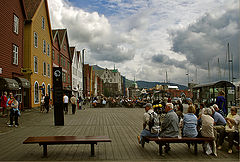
(91,31)
(165,60)
(206,41)
(147,38)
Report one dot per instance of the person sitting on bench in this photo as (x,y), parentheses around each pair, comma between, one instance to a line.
(170,124)
(231,130)
(207,130)
(190,123)
(146,132)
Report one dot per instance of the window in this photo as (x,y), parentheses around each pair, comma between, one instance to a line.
(68,65)
(35,64)
(53,56)
(15,54)
(36,93)
(44,46)
(43,23)
(63,62)
(44,69)
(68,78)
(64,47)
(48,68)
(35,40)
(16,24)
(63,77)
(43,89)
(48,50)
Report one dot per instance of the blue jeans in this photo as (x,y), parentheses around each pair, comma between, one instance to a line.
(146,133)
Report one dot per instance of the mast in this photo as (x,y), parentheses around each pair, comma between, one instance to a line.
(196,76)
(209,79)
(229,61)
(219,70)
(232,67)
(166,77)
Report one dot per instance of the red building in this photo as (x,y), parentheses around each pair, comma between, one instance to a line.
(87,74)
(179,93)
(12,17)
(99,86)
(62,57)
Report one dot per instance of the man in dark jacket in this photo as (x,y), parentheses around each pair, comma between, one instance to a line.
(46,102)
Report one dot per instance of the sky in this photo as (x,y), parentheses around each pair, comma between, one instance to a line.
(148,39)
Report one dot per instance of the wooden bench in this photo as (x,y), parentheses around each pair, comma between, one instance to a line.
(55,140)
(163,141)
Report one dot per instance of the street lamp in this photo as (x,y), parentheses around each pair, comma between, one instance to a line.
(188,77)
(83,73)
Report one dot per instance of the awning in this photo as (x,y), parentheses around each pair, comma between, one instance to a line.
(217,84)
(8,84)
(24,83)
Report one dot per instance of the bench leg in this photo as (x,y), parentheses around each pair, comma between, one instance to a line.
(195,148)
(160,149)
(92,150)
(44,150)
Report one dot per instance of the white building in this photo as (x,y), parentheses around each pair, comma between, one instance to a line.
(77,81)
(110,76)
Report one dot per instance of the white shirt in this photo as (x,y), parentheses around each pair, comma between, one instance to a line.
(65,99)
(207,126)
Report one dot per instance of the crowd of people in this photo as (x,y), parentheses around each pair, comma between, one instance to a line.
(199,121)
(129,102)
(10,108)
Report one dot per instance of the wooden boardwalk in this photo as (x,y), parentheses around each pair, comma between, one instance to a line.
(122,125)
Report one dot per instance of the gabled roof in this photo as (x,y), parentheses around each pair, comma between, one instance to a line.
(56,36)
(54,33)
(62,35)
(24,9)
(72,52)
(31,7)
(79,56)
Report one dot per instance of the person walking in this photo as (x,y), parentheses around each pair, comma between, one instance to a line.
(4,102)
(80,102)
(73,101)
(46,102)
(14,111)
(42,104)
(65,103)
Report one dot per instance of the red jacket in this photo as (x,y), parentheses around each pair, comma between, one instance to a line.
(4,101)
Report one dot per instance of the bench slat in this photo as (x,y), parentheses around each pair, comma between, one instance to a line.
(183,139)
(55,140)
(66,139)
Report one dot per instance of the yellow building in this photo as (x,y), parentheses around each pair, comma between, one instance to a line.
(37,50)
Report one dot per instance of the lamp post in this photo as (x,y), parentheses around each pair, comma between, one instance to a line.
(83,73)
(188,77)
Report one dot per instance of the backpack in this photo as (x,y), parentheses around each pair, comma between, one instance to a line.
(154,123)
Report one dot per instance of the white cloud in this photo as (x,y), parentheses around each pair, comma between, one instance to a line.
(137,33)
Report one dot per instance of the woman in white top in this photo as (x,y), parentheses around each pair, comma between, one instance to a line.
(207,130)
